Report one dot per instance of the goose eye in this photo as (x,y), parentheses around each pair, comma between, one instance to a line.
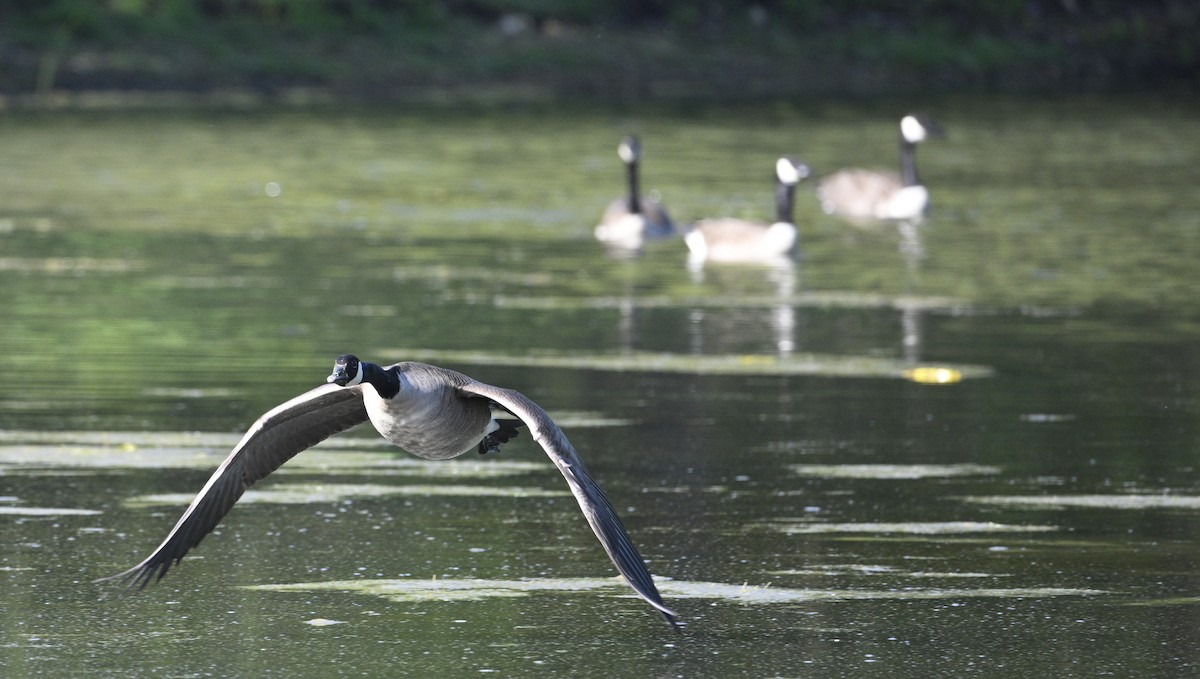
(346,371)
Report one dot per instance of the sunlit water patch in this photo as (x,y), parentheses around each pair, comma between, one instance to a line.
(1046,418)
(402,464)
(803,527)
(190,392)
(36,459)
(892,471)
(823,299)
(867,570)
(323,622)
(571,418)
(114,438)
(1089,501)
(87,452)
(414,590)
(46,511)
(444,272)
(178,282)
(307,493)
(69,266)
(828,365)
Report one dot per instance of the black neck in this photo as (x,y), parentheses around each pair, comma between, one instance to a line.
(634,202)
(386,382)
(784,197)
(908,163)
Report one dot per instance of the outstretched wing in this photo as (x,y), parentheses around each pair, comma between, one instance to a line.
(592,501)
(277,436)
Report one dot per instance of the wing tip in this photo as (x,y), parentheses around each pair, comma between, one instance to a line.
(137,577)
(123,575)
(652,597)
(669,615)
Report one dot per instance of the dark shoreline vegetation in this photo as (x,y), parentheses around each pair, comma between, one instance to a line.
(56,51)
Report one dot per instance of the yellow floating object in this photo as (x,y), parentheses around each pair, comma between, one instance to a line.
(933,375)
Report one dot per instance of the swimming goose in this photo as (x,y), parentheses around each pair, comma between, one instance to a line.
(737,240)
(631,220)
(859,194)
(428,411)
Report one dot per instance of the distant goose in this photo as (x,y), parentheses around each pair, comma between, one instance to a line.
(631,220)
(428,411)
(737,240)
(868,194)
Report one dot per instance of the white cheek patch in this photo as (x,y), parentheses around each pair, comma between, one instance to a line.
(626,153)
(912,129)
(788,172)
(358,376)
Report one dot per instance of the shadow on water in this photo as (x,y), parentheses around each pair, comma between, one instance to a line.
(961,446)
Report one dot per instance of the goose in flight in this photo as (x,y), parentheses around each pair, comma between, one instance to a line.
(428,411)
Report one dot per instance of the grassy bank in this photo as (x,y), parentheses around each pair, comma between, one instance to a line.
(522,50)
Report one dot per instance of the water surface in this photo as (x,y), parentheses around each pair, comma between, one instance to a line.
(810,505)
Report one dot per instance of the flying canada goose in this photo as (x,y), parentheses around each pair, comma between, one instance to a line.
(631,220)
(859,194)
(428,411)
(737,240)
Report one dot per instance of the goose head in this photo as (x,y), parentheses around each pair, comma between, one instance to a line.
(916,128)
(630,149)
(347,371)
(790,171)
